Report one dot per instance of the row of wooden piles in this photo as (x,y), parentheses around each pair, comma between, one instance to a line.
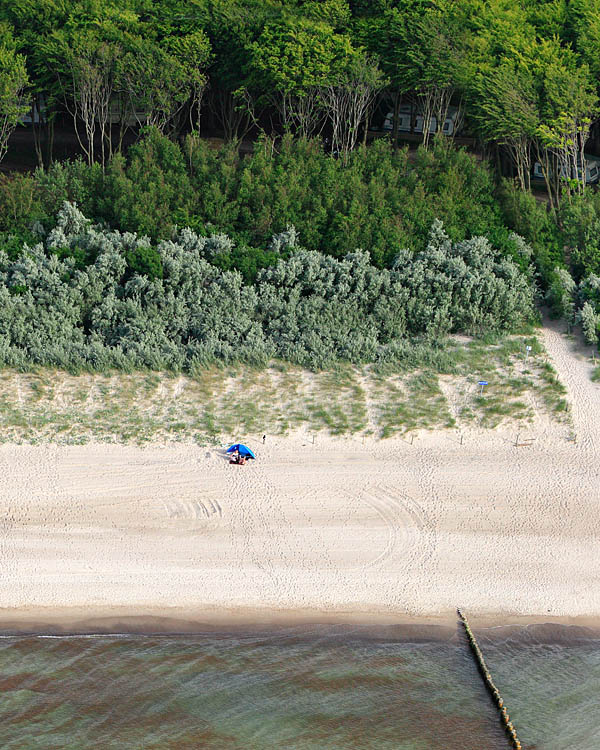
(489,683)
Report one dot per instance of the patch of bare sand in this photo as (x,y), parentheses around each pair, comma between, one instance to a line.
(572,360)
(349,530)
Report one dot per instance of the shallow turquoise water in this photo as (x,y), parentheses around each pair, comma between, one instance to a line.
(319,688)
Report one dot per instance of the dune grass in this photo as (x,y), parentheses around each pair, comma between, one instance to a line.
(218,403)
(410,403)
(520,382)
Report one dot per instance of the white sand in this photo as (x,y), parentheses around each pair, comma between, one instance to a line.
(340,529)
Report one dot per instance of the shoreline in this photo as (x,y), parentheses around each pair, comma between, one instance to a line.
(337,533)
(116,621)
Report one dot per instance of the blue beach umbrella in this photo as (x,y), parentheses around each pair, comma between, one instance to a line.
(243,450)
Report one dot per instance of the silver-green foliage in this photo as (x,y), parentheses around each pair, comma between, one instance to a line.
(590,323)
(561,295)
(309,308)
(463,287)
(577,304)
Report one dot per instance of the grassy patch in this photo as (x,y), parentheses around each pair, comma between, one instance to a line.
(217,404)
(520,381)
(410,403)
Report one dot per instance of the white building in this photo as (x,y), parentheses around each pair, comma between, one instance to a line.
(592,170)
(36,112)
(404,117)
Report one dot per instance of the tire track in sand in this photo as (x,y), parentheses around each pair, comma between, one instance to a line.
(408,526)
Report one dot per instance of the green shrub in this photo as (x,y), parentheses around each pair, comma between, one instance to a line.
(561,295)
(143,193)
(580,222)
(145,261)
(378,199)
(12,243)
(73,181)
(532,220)
(166,307)
(20,203)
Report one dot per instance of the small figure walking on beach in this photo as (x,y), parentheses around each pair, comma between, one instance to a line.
(264,438)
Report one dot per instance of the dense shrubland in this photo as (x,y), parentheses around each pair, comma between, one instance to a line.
(253,208)
(73,300)
(567,253)
(380,199)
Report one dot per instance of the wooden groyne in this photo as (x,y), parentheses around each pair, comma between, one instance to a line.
(489,683)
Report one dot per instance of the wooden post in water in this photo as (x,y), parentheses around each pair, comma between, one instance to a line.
(487,679)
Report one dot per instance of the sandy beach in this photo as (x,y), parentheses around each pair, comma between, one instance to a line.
(351,530)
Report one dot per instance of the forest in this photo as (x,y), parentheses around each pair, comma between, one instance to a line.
(314,192)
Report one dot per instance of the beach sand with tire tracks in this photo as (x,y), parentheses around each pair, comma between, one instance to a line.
(174,537)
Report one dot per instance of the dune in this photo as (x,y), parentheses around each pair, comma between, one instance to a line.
(102,537)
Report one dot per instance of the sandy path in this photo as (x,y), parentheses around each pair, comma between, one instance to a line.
(341,529)
(574,369)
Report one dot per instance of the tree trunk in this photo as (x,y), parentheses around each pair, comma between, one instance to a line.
(50,142)
(427,113)
(37,132)
(544,161)
(395,123)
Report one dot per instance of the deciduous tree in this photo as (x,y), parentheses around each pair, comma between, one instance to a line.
(13,80)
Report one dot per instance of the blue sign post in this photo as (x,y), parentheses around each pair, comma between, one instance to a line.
(482,383)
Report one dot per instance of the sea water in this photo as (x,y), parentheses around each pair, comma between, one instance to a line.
(310,688)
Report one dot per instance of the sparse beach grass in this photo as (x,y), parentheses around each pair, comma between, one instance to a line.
(409,403)
(520,382)
(50,405)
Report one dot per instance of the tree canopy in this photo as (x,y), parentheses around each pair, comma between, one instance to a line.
(523,76)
